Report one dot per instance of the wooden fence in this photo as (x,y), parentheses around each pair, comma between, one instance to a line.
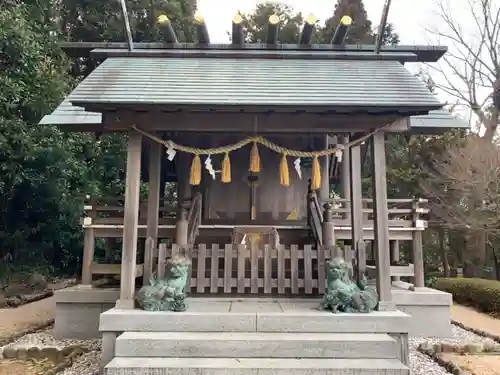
(236,269)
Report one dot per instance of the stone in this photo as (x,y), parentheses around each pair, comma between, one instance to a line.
(9,352)
(343,294)
(52,354)
(37,281)
(22,353)
(473,348)
(166,294)
(448,348)
(489,345)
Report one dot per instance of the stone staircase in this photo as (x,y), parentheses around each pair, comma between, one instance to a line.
(291,348)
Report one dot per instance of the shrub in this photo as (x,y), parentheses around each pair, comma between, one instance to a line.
(482,294)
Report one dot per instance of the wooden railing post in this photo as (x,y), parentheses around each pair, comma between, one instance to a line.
(148,260)
(417,246)
(162,257)
(88,253)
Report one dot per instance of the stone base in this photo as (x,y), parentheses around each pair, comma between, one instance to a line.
(78,310)
(430,310)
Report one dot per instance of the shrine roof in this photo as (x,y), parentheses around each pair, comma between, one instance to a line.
(436,122)
(261,85)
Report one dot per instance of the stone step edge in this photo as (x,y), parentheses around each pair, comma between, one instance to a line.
(255,336)
(258,363)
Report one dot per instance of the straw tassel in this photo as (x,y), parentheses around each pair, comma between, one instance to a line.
(284,175)
(316,174)
(226,169)
(195,172)
(254,159)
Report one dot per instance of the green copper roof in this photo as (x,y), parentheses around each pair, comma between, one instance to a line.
(67,114)
(271,84)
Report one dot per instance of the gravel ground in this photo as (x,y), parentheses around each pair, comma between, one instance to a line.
(88,364)
(420,364)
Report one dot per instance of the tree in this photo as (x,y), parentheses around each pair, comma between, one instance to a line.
(42,169)
(470,71)
(361,29)
(95,21)
(469,173)
(256,23)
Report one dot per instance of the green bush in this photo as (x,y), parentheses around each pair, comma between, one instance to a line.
(482,294)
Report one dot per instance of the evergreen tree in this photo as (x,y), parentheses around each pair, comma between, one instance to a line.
(361,28)
(94,21)
(290,25)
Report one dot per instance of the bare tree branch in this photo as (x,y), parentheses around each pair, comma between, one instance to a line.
(470,72)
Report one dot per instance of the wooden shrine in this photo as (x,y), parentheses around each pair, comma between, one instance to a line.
(252,137)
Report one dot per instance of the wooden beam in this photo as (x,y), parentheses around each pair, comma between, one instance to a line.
(425,53)
(237,35)
(155,156)
(356,200)
(273,29)
(341,31)
(201,29)
(381,220)
(167,30)
(259,54)
(130,222)
(248,122)
(307,31)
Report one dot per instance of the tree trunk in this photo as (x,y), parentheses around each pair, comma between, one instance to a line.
(475,253)
(444,252)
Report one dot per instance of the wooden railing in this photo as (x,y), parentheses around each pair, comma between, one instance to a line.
(236,269)
(110,210)
(402,212)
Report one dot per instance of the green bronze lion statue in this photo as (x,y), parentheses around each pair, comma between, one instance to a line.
(166,294)
(343,294)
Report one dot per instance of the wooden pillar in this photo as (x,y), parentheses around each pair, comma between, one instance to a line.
(88,255)
(356,202)
(394,245)
(130,221)
(154,187)
(417,247)
(345,190)
(324,193)
(181,226)
(328,233)
(381,221)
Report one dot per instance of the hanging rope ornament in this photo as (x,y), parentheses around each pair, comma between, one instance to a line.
(226,169)
(254,159)
(316,174)
(195,172)
(284,175)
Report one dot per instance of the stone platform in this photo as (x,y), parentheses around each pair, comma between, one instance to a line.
(78,309)
(254,336)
